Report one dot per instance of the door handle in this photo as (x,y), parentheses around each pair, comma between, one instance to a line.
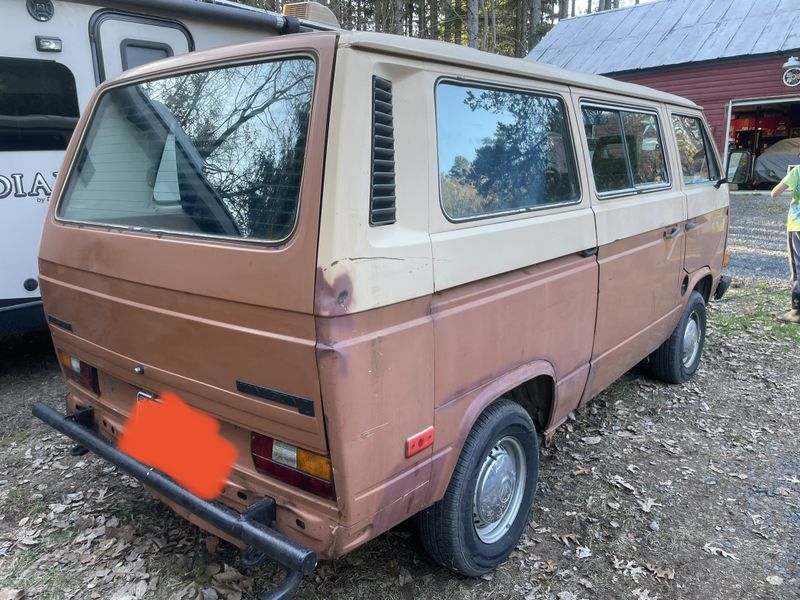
(690,225)
(672,233)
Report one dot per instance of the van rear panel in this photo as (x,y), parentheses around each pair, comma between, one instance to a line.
(180,254)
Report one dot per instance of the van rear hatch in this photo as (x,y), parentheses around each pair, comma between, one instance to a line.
(181,253)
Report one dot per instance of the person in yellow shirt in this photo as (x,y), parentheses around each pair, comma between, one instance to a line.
(792,182)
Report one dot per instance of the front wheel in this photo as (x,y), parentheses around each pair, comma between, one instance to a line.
(677,359)
(484,511)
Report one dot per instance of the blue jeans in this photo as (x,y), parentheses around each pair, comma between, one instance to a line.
(794,260)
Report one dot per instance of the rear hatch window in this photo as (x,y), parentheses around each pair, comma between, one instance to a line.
(215,153)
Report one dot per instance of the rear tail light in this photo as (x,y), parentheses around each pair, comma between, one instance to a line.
(79,371)
(297,467)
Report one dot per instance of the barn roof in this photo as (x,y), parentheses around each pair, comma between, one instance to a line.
(670,32)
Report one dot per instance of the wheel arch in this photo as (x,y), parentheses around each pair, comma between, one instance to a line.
(532,386)
(701,281)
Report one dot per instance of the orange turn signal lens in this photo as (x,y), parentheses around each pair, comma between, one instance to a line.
(314,464)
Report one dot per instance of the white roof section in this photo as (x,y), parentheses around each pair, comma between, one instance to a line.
(453,54)
(670,32)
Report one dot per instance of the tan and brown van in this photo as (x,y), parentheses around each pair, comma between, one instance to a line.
(385,266)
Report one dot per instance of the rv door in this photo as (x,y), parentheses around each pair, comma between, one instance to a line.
(122,41)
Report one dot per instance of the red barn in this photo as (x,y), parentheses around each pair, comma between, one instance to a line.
(735,58)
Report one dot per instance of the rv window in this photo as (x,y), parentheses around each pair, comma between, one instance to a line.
(139,52)
(217,152)
(697,159)
(502,151)
(636,164)
(38,105)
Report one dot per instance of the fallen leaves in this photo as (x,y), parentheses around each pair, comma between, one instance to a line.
(719,552)
(647,504)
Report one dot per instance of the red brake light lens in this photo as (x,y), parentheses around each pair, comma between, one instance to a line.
(79,371)
(284,462)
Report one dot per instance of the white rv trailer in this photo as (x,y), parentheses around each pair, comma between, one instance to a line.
(52,55)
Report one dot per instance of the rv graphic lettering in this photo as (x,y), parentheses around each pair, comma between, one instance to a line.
(18,186)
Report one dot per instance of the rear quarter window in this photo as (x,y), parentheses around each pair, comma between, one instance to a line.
(217,152)
(502,151)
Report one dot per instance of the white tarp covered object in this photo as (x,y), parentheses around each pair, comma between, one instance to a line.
(774,162)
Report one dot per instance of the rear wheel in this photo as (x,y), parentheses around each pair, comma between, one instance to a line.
(677,359)
(484,511)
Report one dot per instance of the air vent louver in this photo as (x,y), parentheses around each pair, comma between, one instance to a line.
(382,203)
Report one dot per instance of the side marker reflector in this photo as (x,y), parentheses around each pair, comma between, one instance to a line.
(418,442)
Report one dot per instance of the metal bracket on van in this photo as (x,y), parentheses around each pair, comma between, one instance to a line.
(252,526)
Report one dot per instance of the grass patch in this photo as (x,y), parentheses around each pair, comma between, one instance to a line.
(752,308)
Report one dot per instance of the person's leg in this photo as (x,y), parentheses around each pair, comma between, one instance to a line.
(793,316)
(794,245)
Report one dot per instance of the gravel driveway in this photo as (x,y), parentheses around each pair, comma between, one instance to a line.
(650,492)
(757,237)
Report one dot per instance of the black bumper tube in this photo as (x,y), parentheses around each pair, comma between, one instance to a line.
(248,526)
(722,287)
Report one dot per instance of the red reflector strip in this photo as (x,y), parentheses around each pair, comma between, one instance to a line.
(417,443)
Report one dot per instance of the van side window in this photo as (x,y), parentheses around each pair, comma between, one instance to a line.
(697,159)
(38,105)
(636,164)
(502,151)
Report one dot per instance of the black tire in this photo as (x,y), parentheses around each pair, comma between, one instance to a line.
(449,528)
(669,362)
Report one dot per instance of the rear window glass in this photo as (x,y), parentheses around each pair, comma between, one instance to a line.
(38,105)
(216,152)
(502,151)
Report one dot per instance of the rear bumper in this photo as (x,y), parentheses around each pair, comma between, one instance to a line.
(722,286)
(252,526)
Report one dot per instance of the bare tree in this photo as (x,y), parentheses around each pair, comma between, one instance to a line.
(472,23)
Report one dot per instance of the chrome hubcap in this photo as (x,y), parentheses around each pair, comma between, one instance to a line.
(499,490)
(691,340)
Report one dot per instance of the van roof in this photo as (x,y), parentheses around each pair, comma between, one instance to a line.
(428,50)
(442,52)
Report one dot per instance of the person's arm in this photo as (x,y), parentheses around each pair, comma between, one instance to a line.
(790,182)
(778,189)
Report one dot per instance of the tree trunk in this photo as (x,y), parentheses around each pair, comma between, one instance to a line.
(397,17)
(563,9)
(494,25)
(434,26)
(589,7)
(536,20)
(472,23)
